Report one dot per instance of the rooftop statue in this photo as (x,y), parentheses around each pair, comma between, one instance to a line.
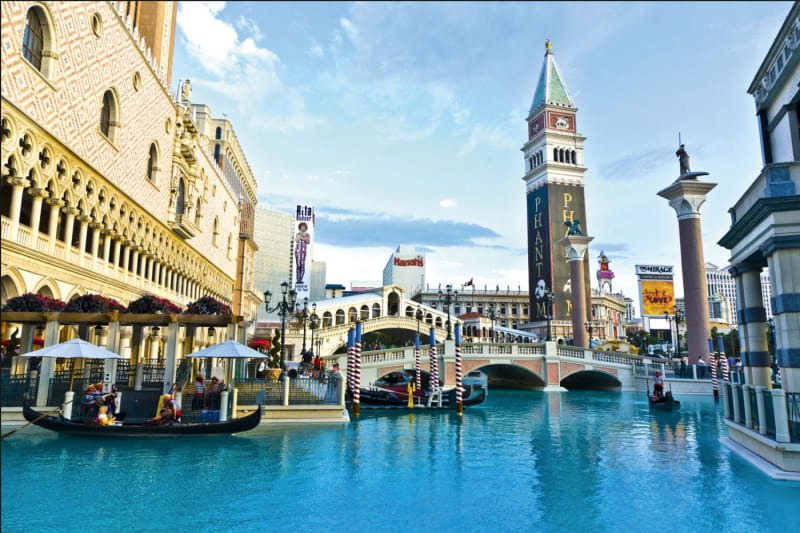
(574,228)
(683,158)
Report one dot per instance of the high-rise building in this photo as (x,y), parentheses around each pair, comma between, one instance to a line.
(722,285)
(273,263)
(553,179)
(405,268)
(318,276)
(153,21)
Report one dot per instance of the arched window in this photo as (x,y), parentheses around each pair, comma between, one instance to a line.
(109,116)
(376,310)
(216,231)
(555,154)
(230,245)
(33,39)
(197,213)
(181,198)
(216,153)
(574,158)
(339,316)
(218,134)
(327,319)
(152,163)
(561,155)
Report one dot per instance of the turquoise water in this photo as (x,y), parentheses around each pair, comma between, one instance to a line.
(522,461)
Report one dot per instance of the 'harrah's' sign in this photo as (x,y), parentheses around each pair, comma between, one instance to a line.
(416,262)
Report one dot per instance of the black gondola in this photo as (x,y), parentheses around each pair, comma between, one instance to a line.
(666,403)
(377,397)
(62,425)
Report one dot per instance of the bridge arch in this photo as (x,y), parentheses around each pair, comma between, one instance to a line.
(510,375)
(595,379)
(393,303)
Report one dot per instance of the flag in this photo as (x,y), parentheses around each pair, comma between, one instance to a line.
(469,283)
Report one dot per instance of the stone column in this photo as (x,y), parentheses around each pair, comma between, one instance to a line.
(48,363)
(55,205)
(96,227)
(170,356)
(70,212)
(576,245)
(148,264)
(17,188)
(784,269)
(135,262)
(686,196)
(36,213)
(125,252)
(752,318)
(84,220)
(108,259)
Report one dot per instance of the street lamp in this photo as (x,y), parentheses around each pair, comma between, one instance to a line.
(419,316)
(314,324)
(548,297)
(283,308)
(675,339)
(492,317)
(590,327)
(450,298)
(303,315)
(678,319)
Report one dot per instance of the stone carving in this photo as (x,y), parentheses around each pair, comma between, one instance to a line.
(186,92)
(683,158)
(562,123)
(574,228)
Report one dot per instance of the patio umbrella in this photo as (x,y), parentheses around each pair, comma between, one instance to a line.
(74,349)
(228,350)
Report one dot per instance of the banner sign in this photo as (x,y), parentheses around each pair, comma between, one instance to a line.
(303,239)
(657,297)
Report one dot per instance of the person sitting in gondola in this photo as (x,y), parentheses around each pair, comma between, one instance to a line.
(104,419)
(198,399)
(170,400)
(658,386)
(112,403)
(89,404)
(166,416)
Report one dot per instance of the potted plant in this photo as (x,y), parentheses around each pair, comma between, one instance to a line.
(93,303)
(207,306)
(150,304)
(35,303)
(274,370)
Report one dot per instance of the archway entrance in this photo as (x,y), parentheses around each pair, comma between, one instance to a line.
(590,380)
(509,376)
(393,304)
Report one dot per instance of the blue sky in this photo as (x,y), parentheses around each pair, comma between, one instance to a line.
(402,123)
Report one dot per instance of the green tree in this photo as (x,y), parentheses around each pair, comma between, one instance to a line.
(275,350)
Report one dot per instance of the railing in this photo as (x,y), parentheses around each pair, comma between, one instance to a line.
(387,355)
(753,408)
(250,389)
(793,408)
(6,231)
(153,376)
(43,244)
(23,235)
(123,376)
(531,349)
(566,351)
(769,412)
(499,349)
(304,391)
(16,388)
(740,401)
(59,249)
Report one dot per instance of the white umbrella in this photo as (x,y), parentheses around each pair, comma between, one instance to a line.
(229,350)
(74,349)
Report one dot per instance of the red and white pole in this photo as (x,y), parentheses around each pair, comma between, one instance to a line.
(350,358)
(459,388)
(418,364)
(434,363)
(357,373)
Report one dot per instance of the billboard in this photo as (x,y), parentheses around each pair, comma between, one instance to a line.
(549,207)
(657,297)
(303,241)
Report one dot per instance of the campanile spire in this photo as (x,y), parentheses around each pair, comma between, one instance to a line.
(553,156)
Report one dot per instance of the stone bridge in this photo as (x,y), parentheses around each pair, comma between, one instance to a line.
(547,366)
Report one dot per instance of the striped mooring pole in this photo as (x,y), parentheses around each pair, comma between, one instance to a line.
(725,368)
(357,373)
(459,388)
(350,358)
(434,363)
(713,364)
(417,370)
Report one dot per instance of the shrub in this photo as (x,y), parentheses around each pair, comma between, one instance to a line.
(93,303)
(34,303)
(207,306)
(150,304)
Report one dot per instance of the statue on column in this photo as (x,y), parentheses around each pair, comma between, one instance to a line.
(574,227)
(683,158)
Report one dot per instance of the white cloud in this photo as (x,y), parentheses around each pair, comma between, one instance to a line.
(241,69)
(315,50)
(447,203)
(250,26)
(349,28)
(494,136)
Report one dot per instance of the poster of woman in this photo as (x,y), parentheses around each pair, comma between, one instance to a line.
(301,242)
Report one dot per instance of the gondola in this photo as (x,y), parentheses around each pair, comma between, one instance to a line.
(62,425)
(666,403)
(382,398)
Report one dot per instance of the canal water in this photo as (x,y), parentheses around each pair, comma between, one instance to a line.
(523,461)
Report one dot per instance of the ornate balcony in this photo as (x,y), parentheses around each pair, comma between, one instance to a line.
(183,226)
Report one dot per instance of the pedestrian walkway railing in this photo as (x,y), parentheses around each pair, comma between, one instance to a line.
(306,391)
(769,413)
(793,408)
(254,391)
(16,388)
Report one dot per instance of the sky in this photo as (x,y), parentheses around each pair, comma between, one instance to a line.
(403,123)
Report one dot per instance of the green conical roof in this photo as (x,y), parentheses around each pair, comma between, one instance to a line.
(551,88)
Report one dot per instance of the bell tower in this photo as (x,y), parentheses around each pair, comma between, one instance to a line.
(553,156)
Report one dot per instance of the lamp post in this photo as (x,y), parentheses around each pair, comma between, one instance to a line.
(419,316)
(590,327)
(548,297)
(283,308)
(678,320)
(448,299)
(669,321)
(492,317)
(303,315)
(313,324)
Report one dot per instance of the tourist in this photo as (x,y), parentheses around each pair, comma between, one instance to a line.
(199,393)
(683,367)
(112,404)
(212,393)
(104,419)
(261,372)
(166,416)
(317,362)
(170,400)
(89,403)
(658,385)
(336,372)
(701,368)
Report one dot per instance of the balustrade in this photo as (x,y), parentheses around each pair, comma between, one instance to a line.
(6,228)
(24,236)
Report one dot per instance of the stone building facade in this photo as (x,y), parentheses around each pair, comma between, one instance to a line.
(107,185)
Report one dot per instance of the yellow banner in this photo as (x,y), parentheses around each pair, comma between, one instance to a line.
(657,297)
